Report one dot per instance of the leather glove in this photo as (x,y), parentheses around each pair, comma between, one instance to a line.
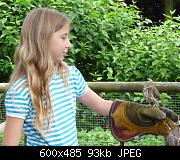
(129,120)
(170,114)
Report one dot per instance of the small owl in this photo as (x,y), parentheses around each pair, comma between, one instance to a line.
(151,94)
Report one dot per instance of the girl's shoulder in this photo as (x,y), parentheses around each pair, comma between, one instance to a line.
(74,71)
(19,87)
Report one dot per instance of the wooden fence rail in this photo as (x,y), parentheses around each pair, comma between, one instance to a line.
(167,87)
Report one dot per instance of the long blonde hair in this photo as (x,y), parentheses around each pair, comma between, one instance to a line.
(33,59)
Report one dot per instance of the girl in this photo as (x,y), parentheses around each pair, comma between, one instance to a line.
(43,89)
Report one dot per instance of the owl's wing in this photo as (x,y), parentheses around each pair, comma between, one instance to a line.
(156,93)
(151,94)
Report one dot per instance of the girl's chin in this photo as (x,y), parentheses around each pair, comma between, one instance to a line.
(58,60)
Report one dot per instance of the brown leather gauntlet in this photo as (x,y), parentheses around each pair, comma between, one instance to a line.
(129,120)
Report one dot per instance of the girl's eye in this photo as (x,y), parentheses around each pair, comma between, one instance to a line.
(64,38)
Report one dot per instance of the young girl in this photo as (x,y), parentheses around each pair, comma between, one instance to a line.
(41,99)
(43,88)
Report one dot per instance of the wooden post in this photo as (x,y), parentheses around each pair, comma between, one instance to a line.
(122,144)
(169,6)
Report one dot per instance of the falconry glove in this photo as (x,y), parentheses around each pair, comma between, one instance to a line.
(129,120)
(170,114)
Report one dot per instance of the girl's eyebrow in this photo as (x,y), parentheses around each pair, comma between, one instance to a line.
(65,34)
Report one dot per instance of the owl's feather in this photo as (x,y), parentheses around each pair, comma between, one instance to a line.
(151,94)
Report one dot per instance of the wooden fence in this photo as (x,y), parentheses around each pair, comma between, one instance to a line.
(167,87)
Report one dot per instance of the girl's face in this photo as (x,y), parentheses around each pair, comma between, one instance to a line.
(60,44)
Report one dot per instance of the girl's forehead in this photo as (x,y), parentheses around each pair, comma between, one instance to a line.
(64,29)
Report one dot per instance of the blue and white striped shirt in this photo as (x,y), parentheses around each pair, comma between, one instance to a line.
(63,131)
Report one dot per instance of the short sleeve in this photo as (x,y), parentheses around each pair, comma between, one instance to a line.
(17,105)
(81,84)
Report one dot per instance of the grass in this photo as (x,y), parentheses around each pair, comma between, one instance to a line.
(100,137)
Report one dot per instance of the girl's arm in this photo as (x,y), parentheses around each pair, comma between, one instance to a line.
(95,102)
(12,132)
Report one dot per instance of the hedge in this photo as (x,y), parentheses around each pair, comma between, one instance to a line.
(111,41)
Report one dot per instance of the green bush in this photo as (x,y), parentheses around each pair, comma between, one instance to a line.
(100,137)
(151,53)
(109,38)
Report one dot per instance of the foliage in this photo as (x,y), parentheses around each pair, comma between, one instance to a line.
(11,15)
(100,137)
(2,108)
(96,137)
(150,53)
(6,65)
(110,40)
(100,26)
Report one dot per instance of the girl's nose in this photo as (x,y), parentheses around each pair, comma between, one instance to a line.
(69,44)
